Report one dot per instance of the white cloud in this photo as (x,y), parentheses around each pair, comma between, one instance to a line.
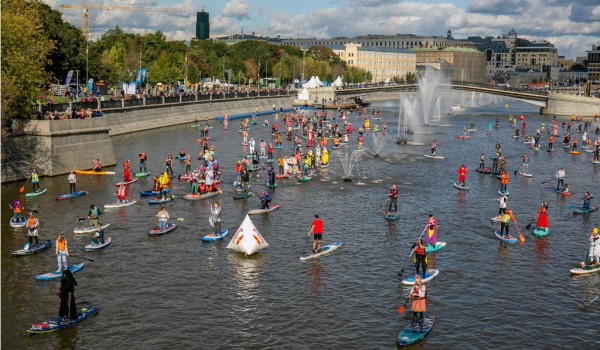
(237,9)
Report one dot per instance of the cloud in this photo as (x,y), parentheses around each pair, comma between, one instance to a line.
(236,9)
(584,13)
(506,7)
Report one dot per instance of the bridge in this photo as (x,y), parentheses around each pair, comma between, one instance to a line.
(535,97)
(550,103)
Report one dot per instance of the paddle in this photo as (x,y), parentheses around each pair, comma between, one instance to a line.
(521,238)
(22,189)
(531,222)
(82,257)
(518,169)
(400,273)
(26,246)
(387,205)
(305,244)
(544,182)
(32,210)
(401,308)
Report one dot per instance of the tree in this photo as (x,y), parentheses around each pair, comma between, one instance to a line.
(24,56)
(410,78)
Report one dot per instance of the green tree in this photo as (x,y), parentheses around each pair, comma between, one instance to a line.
(24,55)
(410,78)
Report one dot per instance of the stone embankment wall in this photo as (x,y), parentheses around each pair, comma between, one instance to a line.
(564,104)
(56,147)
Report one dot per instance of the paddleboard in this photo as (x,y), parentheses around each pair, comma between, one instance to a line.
(152,193)
(156,231)
(324,250)
(584,211)
(463,137)
(472,130)
(496,218)
(142,174)
(541,232)
(463,188)
(278,147)
(506,193)
(433,157)
(429,275)
(525,174)
(93,247)
(89,229)
(305,179)
(57,323)
(584,271)
(197,197)
(71,195)
(550,150)
(243,195)
(593,162)
(562,193)
(93,172)
(119,205)
(432,249)
(125,182)
(412,334)
(14,223)
(391,216)
(58,274)
(32,249)
(262,211)
(212,238)
(36,193)
(158,200)
(509,239)
(484,170)
(251,169)
(270,186)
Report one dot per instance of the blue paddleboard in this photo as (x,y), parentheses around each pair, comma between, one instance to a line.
(507,239)
(213,238)
(57,323)
(57,274)
(412,334)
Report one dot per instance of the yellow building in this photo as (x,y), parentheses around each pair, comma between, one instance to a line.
(383,63)
(468,65)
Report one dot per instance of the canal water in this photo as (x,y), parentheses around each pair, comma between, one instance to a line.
(174,291)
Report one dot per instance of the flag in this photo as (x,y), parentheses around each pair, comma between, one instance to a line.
(144,73)
(138,78)
(68,80)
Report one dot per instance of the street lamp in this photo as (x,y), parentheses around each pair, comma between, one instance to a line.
(223,61)
(258,78)
(303,64)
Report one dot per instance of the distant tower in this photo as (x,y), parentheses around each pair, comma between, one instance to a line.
(202,25)
(449,34)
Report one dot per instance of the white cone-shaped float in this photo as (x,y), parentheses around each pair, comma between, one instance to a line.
(247,239)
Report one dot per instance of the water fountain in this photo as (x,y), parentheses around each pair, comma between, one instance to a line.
(348,162)
(378,143)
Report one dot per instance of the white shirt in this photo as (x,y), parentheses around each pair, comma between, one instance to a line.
(72,178)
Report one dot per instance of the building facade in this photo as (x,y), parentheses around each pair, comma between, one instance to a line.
(593,58)
(399,41)
(202,26)
(467,64)
(383,63)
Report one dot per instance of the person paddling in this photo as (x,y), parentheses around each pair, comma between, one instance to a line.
(68,308)
(418,294)
(72,181)
(587,201)
(265,199)
(420,258)
(98,236)
(17,209)
(462,175)
(316,228)
(163,218)
(35,181)
(560,177)
(62,252)
(143,161)
(393,199)
(32,229)
(594,252)
(93,215)
(542,220)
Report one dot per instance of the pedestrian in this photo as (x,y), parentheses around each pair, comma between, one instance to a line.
(68,308)
(62,252)
(72,181)
(32,229)
(163,218)
(316,228)
(560,176)
(418,294)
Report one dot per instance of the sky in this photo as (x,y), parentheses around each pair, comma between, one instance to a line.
(573,26)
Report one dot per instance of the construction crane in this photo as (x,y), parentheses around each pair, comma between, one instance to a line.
(86,20)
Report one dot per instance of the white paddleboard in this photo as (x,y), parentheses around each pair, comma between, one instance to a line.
(525,174)
(324,250)
(429,275)
(119,205)
(433,157)
(262,211)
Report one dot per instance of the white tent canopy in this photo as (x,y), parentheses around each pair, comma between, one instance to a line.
(337,82)
(319,82)
(311,83)
(303,95)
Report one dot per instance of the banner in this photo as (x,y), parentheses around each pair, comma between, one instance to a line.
(90,85)
(132,88)
(144,74)
(68,80)
(138,78)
